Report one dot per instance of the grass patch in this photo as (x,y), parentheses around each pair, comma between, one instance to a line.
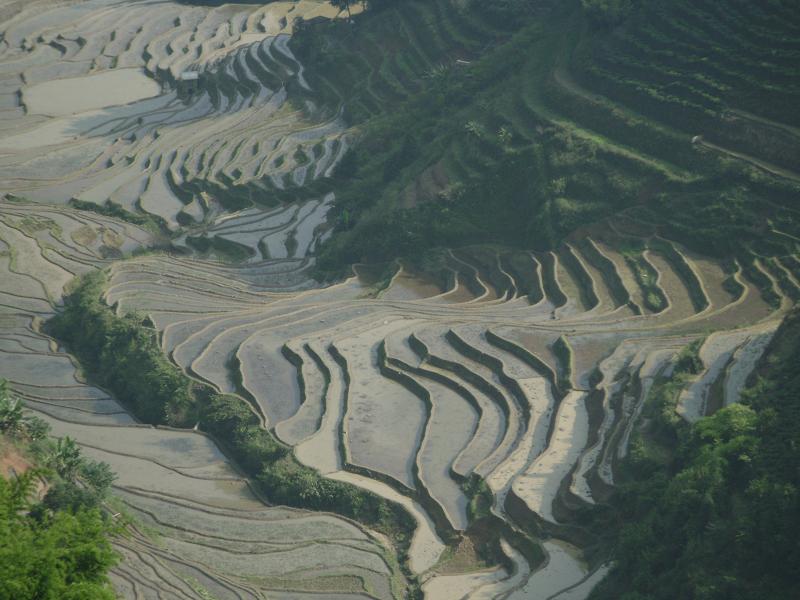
(647,279)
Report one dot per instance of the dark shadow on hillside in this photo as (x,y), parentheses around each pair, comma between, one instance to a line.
(221,2)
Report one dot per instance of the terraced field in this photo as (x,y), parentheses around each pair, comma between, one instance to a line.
(529,377)
(524,371)
(200,528)
(413,391)
(93,110)
(702,144)
(96,108)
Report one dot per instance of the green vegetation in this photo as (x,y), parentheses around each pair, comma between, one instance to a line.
(712,510)
(117,351)
(300,156)
(344,5)
(608,12)
(147,221)
(78,482)
(64,554)
(12,418)
(480,498)
(646,277)
(58,547)
(282,479)
(123,354)
(563,353)
(223,249)
(517,122)
(663,423)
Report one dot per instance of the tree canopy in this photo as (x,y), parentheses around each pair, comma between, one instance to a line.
(51,550)
(719,520)
(61,556)
(59,548)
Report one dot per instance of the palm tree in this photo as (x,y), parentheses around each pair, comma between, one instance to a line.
(343,5)
(15,493)
(11,416)
(36,428)
(65,458)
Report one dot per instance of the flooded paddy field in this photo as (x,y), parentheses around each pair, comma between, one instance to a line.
(410,396)
(408,391)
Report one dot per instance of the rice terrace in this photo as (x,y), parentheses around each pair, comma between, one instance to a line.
(436,299)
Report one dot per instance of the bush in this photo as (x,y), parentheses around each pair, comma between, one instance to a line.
(70,497)
(117,351)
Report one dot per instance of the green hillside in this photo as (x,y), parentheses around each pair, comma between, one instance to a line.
(521,121)
(718,518)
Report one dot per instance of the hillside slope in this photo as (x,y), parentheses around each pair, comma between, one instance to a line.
(720,519)
(518,128)
(584,239)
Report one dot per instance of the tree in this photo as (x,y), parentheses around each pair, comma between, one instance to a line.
(15,494)
(66,496)
(65,458)
(13,420)
(717,517)
(344,5)
(62,555)
(98,476)
(11,415)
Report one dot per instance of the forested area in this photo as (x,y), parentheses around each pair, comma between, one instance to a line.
(712,511)
(509,122)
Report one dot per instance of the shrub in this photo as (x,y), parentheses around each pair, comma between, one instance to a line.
(63,553)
